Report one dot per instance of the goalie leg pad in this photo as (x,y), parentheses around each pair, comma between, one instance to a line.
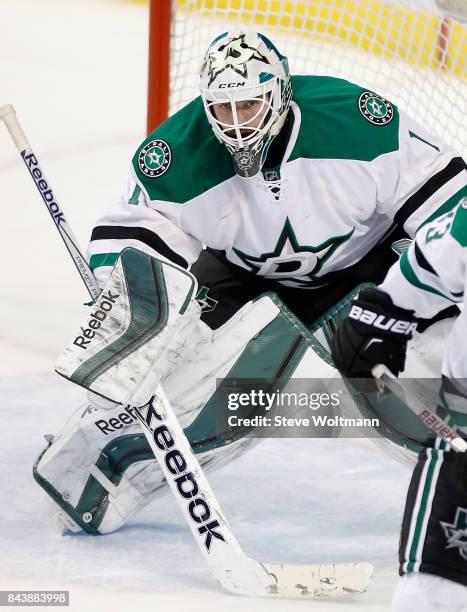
(139,323)
(88,472)
(100,470)
(98,485)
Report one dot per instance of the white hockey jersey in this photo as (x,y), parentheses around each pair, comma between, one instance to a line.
(353,169)
(432,275)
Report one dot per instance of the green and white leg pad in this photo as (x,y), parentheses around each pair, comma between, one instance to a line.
(99,469)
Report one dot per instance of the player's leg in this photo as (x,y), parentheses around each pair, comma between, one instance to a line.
(433,545)
(434,533)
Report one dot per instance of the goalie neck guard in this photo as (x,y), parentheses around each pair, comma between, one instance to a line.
(246,91)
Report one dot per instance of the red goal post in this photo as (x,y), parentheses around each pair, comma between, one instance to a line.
(158,62)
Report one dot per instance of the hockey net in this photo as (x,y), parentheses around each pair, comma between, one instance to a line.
(413,52)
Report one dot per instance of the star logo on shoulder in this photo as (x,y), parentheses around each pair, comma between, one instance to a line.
(154,158)
(375,109)
(291,263)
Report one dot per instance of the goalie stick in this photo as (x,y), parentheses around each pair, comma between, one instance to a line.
(8,115)
(417,405)
(234,570)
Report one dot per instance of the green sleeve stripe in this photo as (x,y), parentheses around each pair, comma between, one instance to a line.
(413,279)
(459,223)
(103,259)
(446,207)
(135,196)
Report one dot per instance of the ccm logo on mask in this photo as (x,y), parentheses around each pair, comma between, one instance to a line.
(230,85)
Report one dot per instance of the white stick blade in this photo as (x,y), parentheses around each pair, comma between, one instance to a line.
(334,580)
(243,575)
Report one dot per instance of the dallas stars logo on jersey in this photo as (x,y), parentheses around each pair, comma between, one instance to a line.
(456,532)
(290,262)
(154,158)
(375,109)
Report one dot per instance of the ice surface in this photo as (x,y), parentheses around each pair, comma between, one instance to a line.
(287,500)
(76,73)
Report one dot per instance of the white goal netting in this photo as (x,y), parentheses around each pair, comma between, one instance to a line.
(406,50)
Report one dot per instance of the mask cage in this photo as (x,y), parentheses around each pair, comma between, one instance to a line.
(270,94)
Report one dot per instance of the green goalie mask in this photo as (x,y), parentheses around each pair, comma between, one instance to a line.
(246,91)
